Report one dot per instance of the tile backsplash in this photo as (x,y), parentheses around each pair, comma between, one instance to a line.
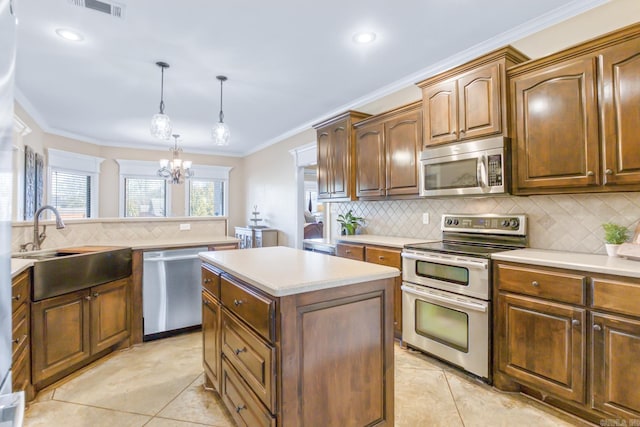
(560,222)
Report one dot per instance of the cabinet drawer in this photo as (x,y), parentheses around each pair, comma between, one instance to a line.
(211,280)
(245,408)
(19,290)
(252,358)
(21,370)
(549,284)
(20,335)
(382,256)
(255,309)
(346,250)
(618,296)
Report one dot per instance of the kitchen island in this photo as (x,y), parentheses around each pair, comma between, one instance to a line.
(297,338)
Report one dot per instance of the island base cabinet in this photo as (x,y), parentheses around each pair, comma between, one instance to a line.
(616,346)
(245,409)
(211,339)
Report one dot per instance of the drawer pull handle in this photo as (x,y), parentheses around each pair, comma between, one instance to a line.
(348,251)
(240,408)
(535,283)
(88,297)
(381,257)
(96,295)
(609,172)
(597,327)
(590,173)
(237,351)
(17,297)
(207,280)
(205,302)
(16,341)
(237,302)
(575,322)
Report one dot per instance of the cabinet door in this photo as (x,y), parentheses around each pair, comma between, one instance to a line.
(616,345)
(403,139)
(110,314)
(211,338)
(340,160)
(556,116)
(324,164)
(60,330)
(370,160)
(390,258)
(542,344)
(620,67)
(479,112)
(440,106)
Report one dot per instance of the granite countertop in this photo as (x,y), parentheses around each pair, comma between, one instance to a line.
(572,260)
(390,241)
(281,271)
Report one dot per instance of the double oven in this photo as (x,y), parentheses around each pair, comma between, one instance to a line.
(446,288)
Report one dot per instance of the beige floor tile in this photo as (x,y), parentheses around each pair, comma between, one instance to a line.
(53,414)
(422,398)
(480,405)
(197,405)
(409,358)
(164,422)
(143,379)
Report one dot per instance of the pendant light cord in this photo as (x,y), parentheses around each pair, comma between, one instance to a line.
(221,113)
(162,90)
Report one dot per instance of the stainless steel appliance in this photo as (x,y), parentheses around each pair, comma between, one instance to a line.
(446,288)
(477,167)
(171,289)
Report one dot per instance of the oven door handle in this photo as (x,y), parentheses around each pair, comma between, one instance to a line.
(448,261)
(455,302)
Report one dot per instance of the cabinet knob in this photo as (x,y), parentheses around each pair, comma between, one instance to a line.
(16,341)
(348,251)
(88,297)
(207,280)
(461,130)
(597,327)
(575,322)
(608,172)
(237,351)
(205,302)
(590,173)
(96,295)
(240,408)
(237,302)
(381,257)
(535,283)
(17,297)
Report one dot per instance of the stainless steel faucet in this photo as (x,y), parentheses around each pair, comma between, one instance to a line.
(38,237)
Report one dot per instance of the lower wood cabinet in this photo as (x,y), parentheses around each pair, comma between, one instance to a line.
(581,356)
(21,334)
(70,329)
(211,339)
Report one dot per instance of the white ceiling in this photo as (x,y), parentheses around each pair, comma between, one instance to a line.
(290,63)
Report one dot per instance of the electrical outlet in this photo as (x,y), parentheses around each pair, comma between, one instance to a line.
(185,227)
(425,218)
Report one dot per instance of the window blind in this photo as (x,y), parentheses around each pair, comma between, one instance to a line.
(71,194)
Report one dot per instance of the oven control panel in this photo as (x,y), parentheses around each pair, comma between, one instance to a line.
(490,223)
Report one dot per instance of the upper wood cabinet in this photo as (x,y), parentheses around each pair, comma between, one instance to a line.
(469,101)
(336,157)
(576,118)
(388,149)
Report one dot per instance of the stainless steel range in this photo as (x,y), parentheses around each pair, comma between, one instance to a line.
(446,288)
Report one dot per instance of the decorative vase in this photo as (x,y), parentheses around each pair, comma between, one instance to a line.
(612,250)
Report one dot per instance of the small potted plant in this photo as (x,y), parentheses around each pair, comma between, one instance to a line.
(349,223)
(614,236)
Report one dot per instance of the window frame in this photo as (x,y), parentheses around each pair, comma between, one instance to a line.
(140,169)
(209,173)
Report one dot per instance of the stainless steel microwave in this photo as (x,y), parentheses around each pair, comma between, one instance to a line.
(470,168)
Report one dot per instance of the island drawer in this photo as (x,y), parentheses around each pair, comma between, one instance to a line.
(381,256)
(255,309)
(19,290)
(20,335)
(245,408)
(346,250)
(211,280)
(252,358)
(616,295)
(543,283)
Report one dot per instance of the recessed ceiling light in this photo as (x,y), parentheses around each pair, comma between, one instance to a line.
(364,37)
(69,34)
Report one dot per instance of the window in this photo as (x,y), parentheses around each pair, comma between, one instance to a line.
(73,183)
(145,197)
(71,194)
(206,197)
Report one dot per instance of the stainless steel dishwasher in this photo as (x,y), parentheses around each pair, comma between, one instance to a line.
(171,292)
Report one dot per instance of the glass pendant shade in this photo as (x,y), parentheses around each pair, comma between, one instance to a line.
(161,126)
(220,134)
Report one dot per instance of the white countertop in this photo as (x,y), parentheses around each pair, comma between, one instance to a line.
(281,271)
(19,265)
(390,241)
(576,261)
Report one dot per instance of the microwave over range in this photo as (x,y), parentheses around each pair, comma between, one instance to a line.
(471,168)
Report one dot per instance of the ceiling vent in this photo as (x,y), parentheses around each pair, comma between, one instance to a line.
(108,7)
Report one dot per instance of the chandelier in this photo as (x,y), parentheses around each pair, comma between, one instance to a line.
(176,170)
(220,132)
(160,123)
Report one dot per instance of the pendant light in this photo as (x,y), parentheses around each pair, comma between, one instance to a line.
(176,170)
(220,132)
(160,123)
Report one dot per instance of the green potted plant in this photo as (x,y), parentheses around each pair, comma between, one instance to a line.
(349,222)
(614,236)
